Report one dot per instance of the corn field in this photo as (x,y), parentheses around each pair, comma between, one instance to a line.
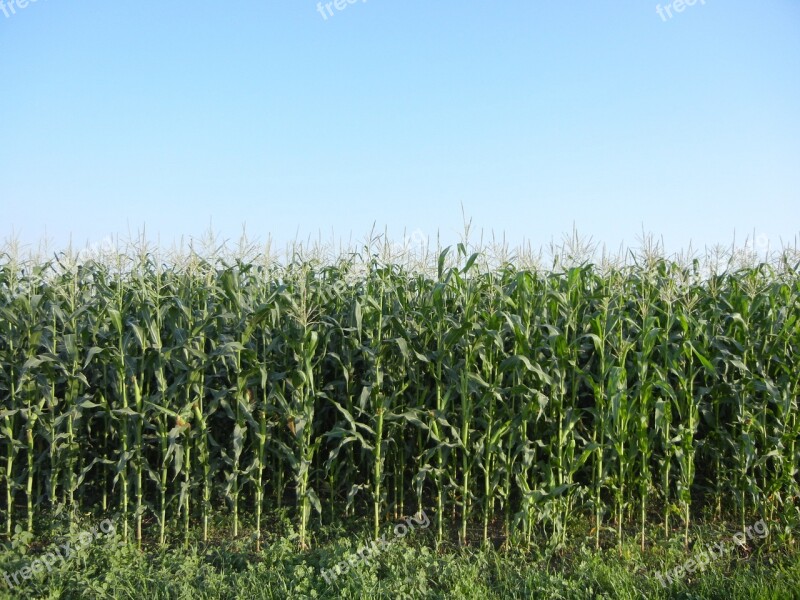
(508,403)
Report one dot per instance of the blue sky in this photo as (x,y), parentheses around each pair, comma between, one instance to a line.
(532,115)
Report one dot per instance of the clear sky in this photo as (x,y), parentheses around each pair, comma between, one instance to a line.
(534,115)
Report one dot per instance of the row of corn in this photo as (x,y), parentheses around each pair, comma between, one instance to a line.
(507,403)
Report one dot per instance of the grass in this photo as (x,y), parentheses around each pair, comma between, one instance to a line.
(409,568)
